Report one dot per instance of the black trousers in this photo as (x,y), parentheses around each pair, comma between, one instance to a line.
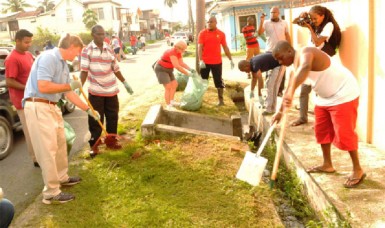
(216,70)
(107,107)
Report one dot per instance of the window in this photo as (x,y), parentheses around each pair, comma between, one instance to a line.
(243,22)
(69,15)
(3,26)
(100,13)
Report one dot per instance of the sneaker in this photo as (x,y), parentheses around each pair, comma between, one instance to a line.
(174,103)
(71,181)
(60,198)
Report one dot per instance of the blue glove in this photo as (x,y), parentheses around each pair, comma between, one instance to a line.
(231,64)
(202,64)
(75,84)
(251,94)
(128,87)
(94,115)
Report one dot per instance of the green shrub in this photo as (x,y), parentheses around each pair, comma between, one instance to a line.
(86,37)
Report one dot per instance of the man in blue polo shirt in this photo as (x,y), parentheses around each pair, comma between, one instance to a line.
(48,80)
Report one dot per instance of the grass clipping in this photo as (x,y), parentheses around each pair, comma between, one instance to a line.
(167,181)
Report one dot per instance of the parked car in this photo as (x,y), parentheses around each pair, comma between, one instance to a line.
(179,36)
(9,120)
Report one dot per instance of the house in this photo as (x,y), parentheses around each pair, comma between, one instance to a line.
(65,17)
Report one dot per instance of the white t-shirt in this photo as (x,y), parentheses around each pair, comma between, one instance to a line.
(275,31)
(115,43)
(326,32)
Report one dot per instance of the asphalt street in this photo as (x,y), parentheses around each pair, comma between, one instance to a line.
(21,181)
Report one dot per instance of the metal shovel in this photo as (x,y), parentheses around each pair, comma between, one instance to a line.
(253,165)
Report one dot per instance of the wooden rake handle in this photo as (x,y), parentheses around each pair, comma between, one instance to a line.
(91,107)
(279,147)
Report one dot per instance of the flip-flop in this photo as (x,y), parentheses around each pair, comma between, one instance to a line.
(317,169)
(360,180)
(298,122)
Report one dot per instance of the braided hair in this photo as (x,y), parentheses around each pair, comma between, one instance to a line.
(335,38)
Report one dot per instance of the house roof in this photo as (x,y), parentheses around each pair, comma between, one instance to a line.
(86,2)
(28,14)
(225,5)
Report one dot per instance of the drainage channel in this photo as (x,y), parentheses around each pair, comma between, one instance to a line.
(159,121)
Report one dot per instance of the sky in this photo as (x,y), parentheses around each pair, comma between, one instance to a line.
(178,12)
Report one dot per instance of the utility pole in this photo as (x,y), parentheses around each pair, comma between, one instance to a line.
(200,22)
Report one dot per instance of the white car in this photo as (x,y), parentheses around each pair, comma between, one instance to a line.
(179,36)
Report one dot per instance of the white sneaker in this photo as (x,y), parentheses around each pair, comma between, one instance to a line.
(174,103)
(170,108)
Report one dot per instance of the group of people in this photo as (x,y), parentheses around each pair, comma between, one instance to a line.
(137,43)
(335,86)
(35,87)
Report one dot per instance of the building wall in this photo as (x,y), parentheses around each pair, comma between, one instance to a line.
(362,53)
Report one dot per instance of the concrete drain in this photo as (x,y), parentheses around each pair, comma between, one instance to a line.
(159,120)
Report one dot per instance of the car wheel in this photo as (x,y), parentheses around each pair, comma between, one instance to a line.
(6,138)
(69,107)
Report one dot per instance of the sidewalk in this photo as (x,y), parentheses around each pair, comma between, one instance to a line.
(360,207)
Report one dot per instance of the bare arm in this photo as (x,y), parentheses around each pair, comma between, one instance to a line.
(75,99)
(317,40)
(83,76)
(12,83)
(51,87)
(175,62)
(261,30)
(119,75)
(200,51)
(288,38)
(227,52)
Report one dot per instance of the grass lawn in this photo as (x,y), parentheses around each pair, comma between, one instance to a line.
(166,181)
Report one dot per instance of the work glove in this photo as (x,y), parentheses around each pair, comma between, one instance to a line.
(128,87)
(202,64)
(251,94)
(96,116)
(231,64)
(75,84)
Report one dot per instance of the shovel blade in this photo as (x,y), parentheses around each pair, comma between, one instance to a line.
(252,168)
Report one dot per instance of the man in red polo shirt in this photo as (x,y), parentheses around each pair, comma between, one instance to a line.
(252,45)
(17,67)
(209,52)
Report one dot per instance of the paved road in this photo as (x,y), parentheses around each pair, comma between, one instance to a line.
(21,181)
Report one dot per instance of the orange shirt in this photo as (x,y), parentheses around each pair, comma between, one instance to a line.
(165,60)
(212,41)
(248,32)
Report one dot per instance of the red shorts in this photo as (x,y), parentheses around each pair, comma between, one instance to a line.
(337,124)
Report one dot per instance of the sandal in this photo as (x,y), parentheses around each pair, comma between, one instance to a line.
(298,122)
(357,181)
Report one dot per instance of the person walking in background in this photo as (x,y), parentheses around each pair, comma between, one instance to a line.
(164,68)
(143,42)
(101,69)
(336,103)
(48,80)
(210,41)
(116,47)
(17,68)
(133,41)
(325,35)
(252,45)
(7,211)
(275,30)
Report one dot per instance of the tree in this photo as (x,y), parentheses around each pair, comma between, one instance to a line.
(90,18)
(46,5)
(169,3)
(14,6)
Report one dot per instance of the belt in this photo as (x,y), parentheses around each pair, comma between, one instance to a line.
(36,99)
